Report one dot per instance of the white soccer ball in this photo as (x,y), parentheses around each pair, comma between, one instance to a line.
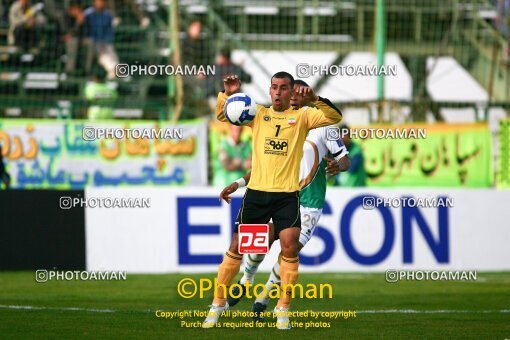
(240,109)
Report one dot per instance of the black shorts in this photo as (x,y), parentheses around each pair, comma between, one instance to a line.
(260,206)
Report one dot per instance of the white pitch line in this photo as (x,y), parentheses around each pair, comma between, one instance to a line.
(380,311)
(93,310)
(440,311)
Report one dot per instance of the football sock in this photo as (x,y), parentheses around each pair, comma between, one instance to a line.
(289,275)
(227,270)
(250,267)
(274,278)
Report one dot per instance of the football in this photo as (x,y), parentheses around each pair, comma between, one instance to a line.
(240,109)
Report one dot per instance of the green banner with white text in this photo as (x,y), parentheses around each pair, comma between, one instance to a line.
(55,154)
(450,155)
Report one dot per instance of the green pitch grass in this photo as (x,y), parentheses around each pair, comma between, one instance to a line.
(126,309)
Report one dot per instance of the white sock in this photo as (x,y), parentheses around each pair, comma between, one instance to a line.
(274,278)
(251,266)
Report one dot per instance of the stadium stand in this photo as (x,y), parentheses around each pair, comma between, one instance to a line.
(36,84)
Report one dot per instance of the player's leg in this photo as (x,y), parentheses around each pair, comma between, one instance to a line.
(227,270)
(252,211)
(261,302)
(289,266)
(253,261)
(287,221)
(309,219)
(251,265)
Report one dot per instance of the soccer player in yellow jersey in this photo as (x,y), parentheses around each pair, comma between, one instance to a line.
(278,135)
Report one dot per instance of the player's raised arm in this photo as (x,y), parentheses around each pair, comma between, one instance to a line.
(227,191)
(231,84)
(337,149)
(324,113)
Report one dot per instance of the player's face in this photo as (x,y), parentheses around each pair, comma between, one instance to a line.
(298,100)
(280,92)
(346,139)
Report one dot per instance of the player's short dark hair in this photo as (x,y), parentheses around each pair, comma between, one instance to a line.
(345,130)
(283,74)
(300,82)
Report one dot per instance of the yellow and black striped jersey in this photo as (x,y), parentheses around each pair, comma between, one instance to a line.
(277,142)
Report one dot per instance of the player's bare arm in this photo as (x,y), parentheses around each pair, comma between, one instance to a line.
(308,93)
(230,189)
(231,84)
(344,163)
(334,167)
(324,113)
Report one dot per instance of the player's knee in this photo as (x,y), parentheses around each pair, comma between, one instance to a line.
(233,249)
(234,245)
(290,250)
(271,234)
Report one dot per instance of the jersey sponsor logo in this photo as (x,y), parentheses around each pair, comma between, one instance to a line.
(278,118)
(266,118)
(253,238)
(292,121)
(276,146)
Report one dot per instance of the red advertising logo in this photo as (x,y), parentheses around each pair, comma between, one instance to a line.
(253,238)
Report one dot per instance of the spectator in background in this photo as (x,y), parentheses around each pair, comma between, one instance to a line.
(25,22)
(73,33)
(4,176)
(223,68)
(234,158)
(100,34)
(502,8)
(101,98)
(196,50)
(135,8)
(356,175)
